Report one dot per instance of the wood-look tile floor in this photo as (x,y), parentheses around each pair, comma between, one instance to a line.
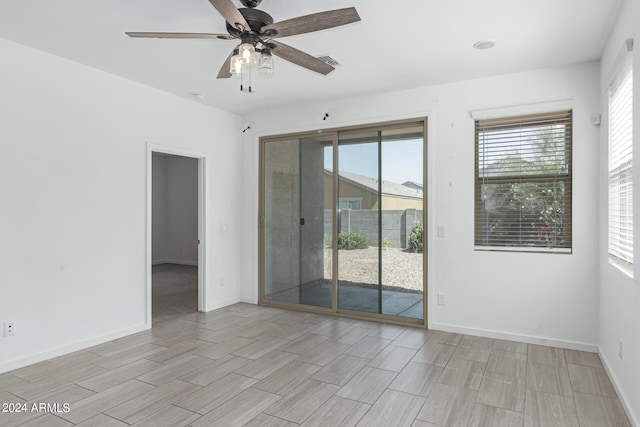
(248,365)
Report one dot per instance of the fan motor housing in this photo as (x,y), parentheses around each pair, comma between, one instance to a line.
(255,18)
(251,3)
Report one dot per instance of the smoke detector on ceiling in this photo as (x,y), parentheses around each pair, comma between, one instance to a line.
(484,44)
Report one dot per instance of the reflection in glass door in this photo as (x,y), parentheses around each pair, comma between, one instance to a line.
(342,220)
(297,230)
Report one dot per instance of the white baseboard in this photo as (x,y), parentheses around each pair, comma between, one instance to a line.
(253,301)
(81,345)
(224,303)
(175,261)
(633,419)
(70,348)
(570,345)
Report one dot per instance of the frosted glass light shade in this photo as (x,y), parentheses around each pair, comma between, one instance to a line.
(247,53)
(235,66)
(265,64)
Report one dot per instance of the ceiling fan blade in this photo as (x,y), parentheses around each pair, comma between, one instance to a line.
(231,14)
(225,72)
(179,35)
(300,58)
(313,22)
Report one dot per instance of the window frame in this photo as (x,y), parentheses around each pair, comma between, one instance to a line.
(350,200)
(617,172)
(507,121)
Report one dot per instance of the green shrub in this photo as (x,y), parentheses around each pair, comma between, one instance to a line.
(386,243)
(416,238)
(350,241)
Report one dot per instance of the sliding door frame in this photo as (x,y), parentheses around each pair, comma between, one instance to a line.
(335,310)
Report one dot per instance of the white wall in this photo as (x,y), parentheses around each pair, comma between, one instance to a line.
(549,298)
(175,210)
(620,294)
(73,171)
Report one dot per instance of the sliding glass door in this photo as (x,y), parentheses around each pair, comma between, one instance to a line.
(342,217)
(296,243)
(358,221)
(380,270)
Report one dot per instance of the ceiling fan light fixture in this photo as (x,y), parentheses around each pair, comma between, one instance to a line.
(265,64)
(247,53)
(255,29)
(235,66)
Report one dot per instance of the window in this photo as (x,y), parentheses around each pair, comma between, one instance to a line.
(348,203)
(621,165)
(523,182)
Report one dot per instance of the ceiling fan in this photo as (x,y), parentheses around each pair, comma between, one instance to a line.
(256,31)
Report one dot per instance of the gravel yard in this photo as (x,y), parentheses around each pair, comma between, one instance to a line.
(400,269)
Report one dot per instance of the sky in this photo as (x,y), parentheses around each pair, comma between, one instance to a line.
(401,160)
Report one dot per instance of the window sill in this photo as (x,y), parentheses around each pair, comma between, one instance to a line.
(527,249)
(625,267)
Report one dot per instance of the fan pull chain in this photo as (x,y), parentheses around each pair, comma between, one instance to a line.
(242,68)
(242,78)
(246,69)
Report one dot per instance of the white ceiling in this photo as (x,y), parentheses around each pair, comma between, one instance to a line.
(397,45)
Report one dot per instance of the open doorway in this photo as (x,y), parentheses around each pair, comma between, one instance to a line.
(174,245)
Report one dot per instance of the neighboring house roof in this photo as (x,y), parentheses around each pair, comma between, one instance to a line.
(412,184)
(371,184)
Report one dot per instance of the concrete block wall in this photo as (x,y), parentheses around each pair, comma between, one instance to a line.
(396,224)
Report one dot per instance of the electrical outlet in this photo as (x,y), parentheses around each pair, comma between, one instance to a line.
(9,328)
(222,282)
(442,298)
(620,348)
(442,231)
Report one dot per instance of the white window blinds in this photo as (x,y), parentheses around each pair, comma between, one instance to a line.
(621,164)
(523,182)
